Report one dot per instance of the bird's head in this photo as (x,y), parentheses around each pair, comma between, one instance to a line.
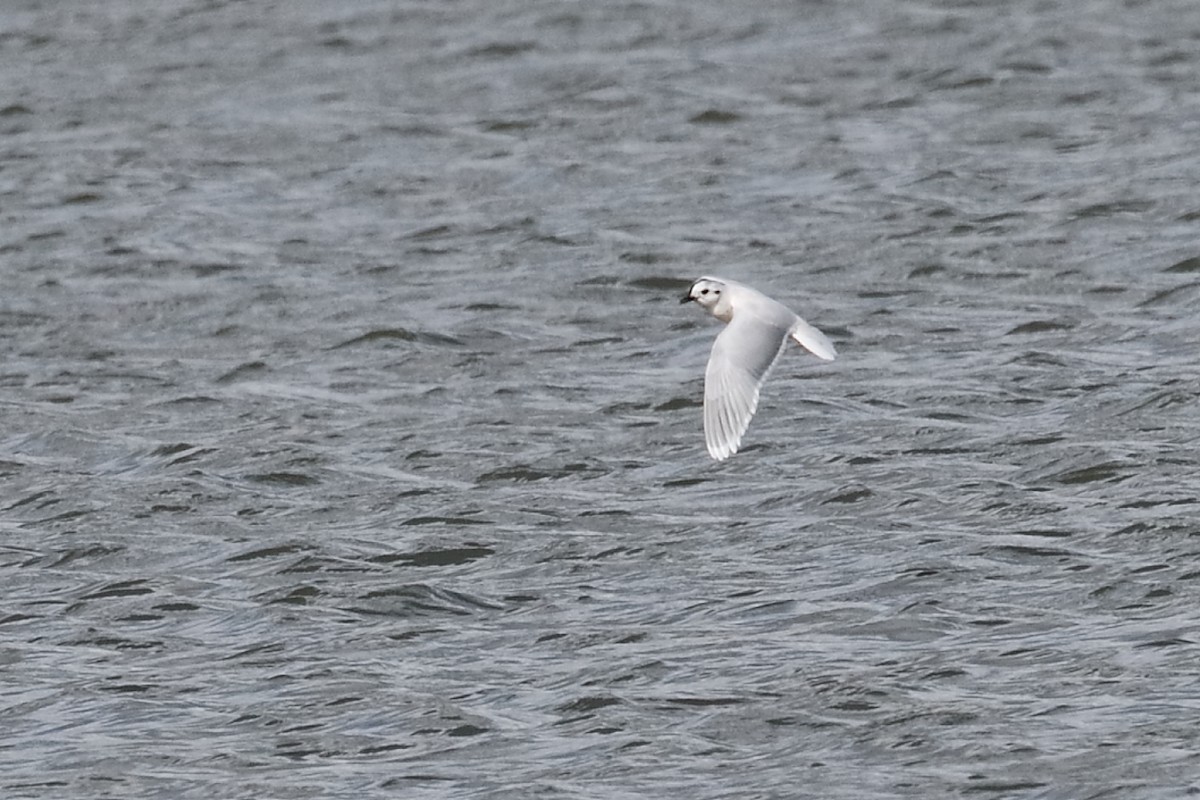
(706,292)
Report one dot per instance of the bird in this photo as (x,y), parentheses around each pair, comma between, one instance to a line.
(756,332)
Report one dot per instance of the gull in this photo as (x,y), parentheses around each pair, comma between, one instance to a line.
(757,330)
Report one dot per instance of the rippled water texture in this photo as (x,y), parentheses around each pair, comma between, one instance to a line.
(351,435)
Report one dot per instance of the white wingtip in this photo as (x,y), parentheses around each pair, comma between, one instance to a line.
(813,340)
(719,453)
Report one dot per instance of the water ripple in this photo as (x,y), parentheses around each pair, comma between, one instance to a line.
(352,437)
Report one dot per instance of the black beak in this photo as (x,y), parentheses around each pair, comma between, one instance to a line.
(687,298)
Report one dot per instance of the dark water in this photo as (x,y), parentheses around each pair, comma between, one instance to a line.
(351,434)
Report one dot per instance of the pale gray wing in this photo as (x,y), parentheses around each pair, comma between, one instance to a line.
(741,357)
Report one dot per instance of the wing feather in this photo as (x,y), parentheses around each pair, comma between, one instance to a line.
(812,340)
(741,359)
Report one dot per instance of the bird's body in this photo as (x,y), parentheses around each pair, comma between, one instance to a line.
(757,330)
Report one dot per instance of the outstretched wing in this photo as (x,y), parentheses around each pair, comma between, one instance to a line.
(741,358)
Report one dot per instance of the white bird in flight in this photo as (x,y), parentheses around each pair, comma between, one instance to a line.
(757,331)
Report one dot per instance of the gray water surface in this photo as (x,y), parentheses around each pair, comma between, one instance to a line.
(351,440)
